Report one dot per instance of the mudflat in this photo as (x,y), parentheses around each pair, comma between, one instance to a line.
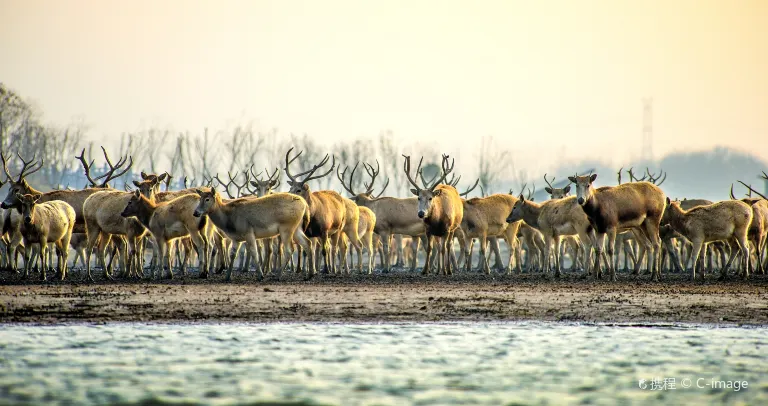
(398,296)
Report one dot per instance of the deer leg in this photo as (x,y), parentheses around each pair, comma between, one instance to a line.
(428,249)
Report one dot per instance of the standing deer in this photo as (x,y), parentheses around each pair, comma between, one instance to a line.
(393,215)
(169,221)
(441,210)
(328,211)
(637,205)
(722,221)
(46,222)
(248,220)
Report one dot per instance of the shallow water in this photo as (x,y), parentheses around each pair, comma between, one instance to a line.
(462,363)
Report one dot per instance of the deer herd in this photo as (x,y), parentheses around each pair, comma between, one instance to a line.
(591,226)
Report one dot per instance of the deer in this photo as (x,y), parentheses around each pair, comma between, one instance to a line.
(572,240)
(554,219)
(485,217)
(394,216)
(758,230)
(722,221)
(610,209)
(43,223)
(248,220)
(442,211)
(168,221)
(328,211)
(102,216)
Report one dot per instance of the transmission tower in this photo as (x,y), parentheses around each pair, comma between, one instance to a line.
(647,153)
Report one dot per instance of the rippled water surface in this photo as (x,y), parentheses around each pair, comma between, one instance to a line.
(520,363)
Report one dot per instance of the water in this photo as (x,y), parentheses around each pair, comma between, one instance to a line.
(463,363)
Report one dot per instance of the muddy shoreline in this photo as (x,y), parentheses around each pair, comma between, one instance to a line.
(393,297)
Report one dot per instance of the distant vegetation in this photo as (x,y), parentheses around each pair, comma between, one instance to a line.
(200,156)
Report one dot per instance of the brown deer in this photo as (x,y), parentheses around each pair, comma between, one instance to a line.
(46,222)
(636,205)
(248,220)
(441,209)
(758,229)
(722,221)
(328,211)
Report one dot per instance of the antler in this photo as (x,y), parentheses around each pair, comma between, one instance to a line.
(653,179)
(110,175)
(86,167)
(619,174)
(548,183)
(753,190)
(634,178)
(373,173)
(5,168)
(225,184)
(531,192)
(407,170)
(309,173)
(36,166)
(731,194)
(466,192)
(343,174)
(454,180)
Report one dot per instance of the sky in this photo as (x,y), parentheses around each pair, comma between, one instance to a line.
(550,80)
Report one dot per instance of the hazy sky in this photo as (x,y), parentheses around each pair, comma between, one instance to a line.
(551,79)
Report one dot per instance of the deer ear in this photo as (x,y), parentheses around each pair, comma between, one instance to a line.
(36,197)
(567,189)
(272,183)
(668,201)
(436,193)
(548,189)
(305,186)
(144,175)
(136,183)
(254,184)
(521,197)
(137,193)
(415,192)
(572,179)
(199,192)
(592,178)
(162,177)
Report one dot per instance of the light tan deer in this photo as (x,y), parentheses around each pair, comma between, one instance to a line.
(722,221)
(169,221)
(102,216)
(393,215)
(248,220)
(441,209)
(554,218)
(486,217)
(636,205)
(46,222)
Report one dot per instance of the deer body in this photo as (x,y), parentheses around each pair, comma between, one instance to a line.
(486,217)
(250,219)
(44,223)
(103,220)
(169,221)
(636,205)
(721,221)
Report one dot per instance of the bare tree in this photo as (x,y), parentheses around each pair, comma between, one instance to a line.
(492,161)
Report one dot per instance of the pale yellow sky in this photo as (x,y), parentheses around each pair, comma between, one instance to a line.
(552,79)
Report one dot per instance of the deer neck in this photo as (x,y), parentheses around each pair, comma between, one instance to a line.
(219,212)
(146,209)
(676,218)
(531,213)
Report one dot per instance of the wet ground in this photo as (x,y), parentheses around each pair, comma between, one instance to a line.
(396,296)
